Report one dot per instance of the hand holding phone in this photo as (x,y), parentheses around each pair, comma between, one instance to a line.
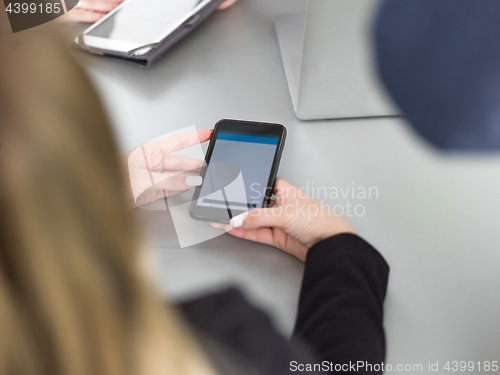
(294,223)
(240,168)
(155,171)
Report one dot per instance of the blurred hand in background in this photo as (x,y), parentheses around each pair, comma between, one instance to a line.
(90,11)
(226,4)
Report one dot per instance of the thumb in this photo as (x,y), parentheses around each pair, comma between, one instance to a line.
(260,218)
(168,182)
(175,181)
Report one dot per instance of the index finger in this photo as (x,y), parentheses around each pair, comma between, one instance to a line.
(180,141)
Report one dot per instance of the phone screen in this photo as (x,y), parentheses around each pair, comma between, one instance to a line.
(241,167)
(143,21)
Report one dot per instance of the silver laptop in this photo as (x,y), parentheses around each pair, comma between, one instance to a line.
(327,54)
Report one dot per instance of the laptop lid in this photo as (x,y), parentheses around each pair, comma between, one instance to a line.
(328,59)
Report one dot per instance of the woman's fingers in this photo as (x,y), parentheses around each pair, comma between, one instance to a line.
(181,163)
(154,173)
(165,185)
(180,141)
(99,5)
(175,182)
(261,235)
(82,15)
(204,135)
(226,4)
(260,218)
(90,10)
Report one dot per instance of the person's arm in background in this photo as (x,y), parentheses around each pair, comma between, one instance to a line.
(340,311)
(91,11)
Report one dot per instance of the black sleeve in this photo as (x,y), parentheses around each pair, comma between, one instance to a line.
(340,311)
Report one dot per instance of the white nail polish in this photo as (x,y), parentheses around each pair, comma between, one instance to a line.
(237,221)
(194,180)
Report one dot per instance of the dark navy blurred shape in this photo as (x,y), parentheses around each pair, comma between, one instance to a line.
(440,60)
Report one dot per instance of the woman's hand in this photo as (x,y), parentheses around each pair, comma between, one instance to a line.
(153,173)
(294,223)
(226,4)
(91,11)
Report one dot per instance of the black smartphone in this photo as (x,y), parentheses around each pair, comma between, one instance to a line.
(240,167)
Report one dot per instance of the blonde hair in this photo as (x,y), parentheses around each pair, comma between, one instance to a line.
(73,298)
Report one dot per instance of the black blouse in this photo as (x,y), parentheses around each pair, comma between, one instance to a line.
(339,326)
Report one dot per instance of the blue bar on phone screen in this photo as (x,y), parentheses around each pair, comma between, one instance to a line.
(248,138)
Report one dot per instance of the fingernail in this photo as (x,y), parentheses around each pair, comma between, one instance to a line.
(237,221)
(194,180)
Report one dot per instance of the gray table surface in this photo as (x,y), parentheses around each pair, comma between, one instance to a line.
(435,219)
